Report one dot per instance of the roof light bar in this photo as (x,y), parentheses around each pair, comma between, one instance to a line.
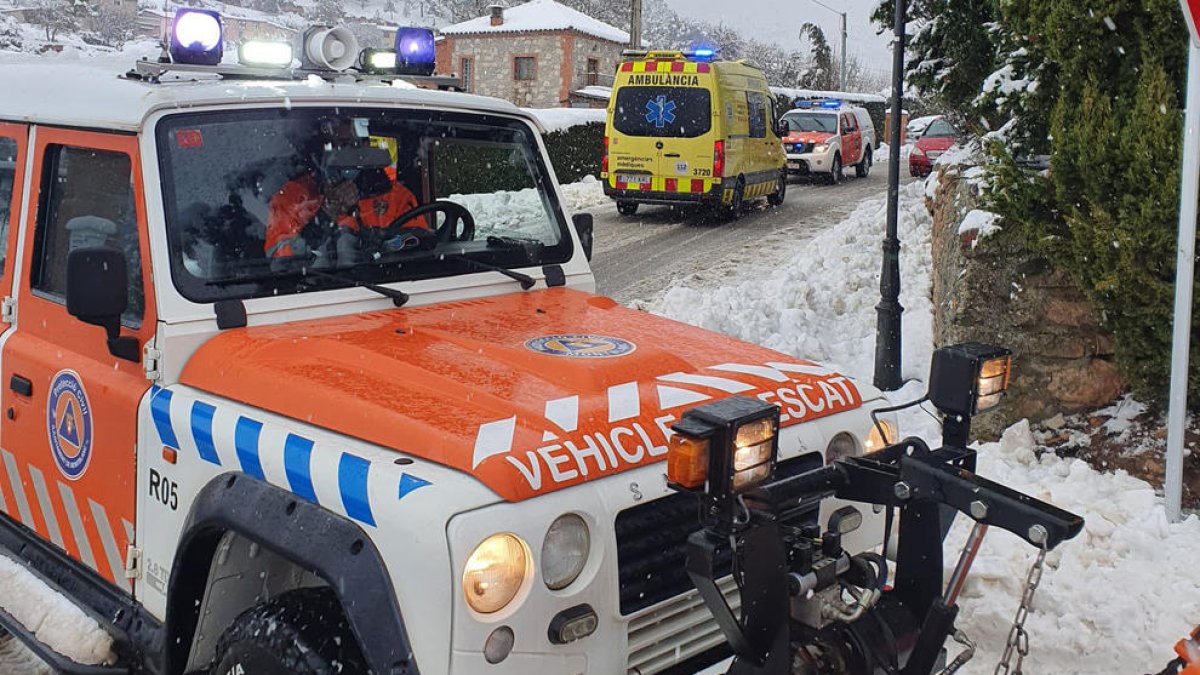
(702,53)
(831,103)
(265,53)
(196,37)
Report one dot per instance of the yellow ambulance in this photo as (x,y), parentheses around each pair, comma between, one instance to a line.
(683,128)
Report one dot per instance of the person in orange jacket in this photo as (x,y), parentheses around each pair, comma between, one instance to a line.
(336,206)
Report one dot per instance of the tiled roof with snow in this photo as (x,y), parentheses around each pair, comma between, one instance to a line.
(540,15)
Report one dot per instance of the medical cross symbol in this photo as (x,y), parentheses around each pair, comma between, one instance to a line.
(661,112)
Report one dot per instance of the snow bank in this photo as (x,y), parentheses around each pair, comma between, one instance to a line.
(561,119)
(821,305)
(1113,600)
(522,211)
(55,620)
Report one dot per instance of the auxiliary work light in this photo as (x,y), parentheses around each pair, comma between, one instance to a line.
(969,378)
(728,445)
(377,61)
(196,37)
(265,53)
(416,53)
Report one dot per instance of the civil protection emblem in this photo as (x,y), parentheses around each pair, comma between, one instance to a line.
(581,346)
(69,424)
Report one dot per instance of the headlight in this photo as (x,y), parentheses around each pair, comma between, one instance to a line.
(821,148)
(878,441)
(495,572)
(565,551)
(840,446)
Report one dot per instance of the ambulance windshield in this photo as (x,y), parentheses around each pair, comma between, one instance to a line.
(825,123)
(663,112)
(271,201)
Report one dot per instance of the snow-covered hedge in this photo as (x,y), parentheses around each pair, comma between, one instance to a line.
(574,139)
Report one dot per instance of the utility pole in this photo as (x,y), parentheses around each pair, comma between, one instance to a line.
(635,24)
(842,79)
(887,330)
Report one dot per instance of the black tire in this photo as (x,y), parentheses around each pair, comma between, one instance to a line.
(776,198)
(863,168)
(738,203)
(301,632)
(836,173)
(627,208)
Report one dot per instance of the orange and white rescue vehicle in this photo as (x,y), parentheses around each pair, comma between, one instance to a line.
(404,449)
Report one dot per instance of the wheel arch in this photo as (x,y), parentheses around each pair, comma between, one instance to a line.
(308,536)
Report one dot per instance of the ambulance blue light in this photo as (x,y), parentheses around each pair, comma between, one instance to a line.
(416,53)
(704,53)
(831,103)
(196,37)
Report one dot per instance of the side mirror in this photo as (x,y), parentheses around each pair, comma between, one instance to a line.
(782,129)
(98,293)
(583,226)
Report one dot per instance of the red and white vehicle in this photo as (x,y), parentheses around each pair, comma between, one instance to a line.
(829,137)
(938,137)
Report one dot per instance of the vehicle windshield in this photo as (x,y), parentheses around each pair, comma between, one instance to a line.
(255,199)
(671,112)
(940,129)
(825,123)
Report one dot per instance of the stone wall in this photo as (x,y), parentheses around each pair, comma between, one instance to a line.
(994,290)
(561,58)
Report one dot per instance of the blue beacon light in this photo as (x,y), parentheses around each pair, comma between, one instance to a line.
(196,37)
(416,52)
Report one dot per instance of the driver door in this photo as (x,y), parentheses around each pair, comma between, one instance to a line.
(70,428)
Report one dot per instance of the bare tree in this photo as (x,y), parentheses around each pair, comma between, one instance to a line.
(112,26)
(53,16)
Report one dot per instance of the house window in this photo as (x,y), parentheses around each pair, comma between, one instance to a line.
(468,74)
(525,68)
(593,72)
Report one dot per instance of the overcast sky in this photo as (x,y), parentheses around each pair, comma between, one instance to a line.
(780,21)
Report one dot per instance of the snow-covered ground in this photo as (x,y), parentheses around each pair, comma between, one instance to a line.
(1113,600)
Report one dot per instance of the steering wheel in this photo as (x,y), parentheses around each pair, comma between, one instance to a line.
(449,230)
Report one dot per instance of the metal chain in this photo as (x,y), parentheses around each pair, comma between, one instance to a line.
(1018,639)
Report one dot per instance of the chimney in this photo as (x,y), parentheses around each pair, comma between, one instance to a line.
(497,12)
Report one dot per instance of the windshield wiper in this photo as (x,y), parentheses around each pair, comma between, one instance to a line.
(398,298)
(527,282)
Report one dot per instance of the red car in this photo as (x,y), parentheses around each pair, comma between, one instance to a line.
(938,138)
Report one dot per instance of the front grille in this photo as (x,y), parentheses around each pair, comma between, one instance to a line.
(802,147)
(652,543)
(676,631)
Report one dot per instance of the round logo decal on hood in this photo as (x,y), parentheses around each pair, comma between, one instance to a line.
(584,346)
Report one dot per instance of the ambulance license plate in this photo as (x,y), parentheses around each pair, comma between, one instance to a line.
(794,165)
(633,179)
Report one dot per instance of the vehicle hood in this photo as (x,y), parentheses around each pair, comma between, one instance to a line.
(808,137)
(529,392)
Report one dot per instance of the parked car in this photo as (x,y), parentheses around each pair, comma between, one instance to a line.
(937,139)
(828,137)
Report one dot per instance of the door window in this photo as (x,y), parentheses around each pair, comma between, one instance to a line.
(86,200)
(8,177)
(757,105)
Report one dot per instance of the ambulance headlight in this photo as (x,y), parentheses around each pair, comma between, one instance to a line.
(729,445)
(495,572)
(565,551)
(416,53)
(196,37)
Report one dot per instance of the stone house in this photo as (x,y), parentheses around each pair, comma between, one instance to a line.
(540,54)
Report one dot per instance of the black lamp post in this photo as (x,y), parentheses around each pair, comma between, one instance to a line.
(887,332)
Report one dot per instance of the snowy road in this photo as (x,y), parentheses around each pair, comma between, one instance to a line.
(638,257)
